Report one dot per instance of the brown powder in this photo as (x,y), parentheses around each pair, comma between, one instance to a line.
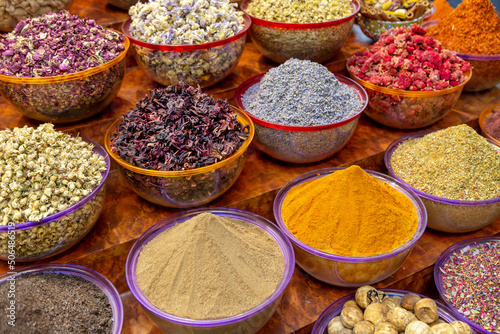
(210,267)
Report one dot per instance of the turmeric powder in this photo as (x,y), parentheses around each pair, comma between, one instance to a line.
(350,213)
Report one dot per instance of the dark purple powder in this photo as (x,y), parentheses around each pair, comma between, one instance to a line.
(56,303)
(492,124)
(57,44)
(178,128)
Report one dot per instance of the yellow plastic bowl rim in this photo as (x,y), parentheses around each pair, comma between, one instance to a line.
(242,118)
(73,76)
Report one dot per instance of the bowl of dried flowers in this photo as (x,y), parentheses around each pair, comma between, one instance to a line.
(179,147)
(299,31)
(410,79)
(42,76)
(170,52)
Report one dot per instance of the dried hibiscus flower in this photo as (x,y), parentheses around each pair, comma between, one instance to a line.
(406,59)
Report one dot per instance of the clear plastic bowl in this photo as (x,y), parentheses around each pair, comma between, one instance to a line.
(123,4)
(374,28)
(195,64)
(442,260)
(321,325)
(448,215)
(36,240)
(485,68)
(248,322)
(11,15)
(302,144)
(317,42)
(66,98)
(88,274)
(183,189)
(403,109)
(348,271)
(485,114)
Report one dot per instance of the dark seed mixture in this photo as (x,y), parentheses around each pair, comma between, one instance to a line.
(56,303)
(178,128)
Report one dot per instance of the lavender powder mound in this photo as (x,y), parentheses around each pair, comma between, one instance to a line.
(178,128)
(56,44)
(301,93)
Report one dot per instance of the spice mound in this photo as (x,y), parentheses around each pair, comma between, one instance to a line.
(454,163)
(473,28)
(57,303)
(299,11)
(301,93)
(43,171)
(57,44)
(375,311)
(178,128)
(472,285)
(394,11)
(406,59)
(350,213)
(492,124)
(210,267)
(184,22)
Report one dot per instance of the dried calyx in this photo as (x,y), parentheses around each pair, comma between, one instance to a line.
(57,44)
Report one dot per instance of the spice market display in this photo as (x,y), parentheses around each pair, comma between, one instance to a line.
(287,202)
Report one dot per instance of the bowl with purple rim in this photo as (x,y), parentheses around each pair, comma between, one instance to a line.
(348,271)
(485,68)
(247,322)
(321,325)
(88,274)
(442,260)
(36,240)
(302,144)
(448,215)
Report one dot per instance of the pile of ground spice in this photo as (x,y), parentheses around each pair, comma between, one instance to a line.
(443,8)
(453,163)
(492,124)
(210,267)
(56,303)
(473,27)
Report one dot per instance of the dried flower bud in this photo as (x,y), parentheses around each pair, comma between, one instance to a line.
(417,327)
(364,327)
(443,328)
(409,300)
(461,327)
(400,318)
(426,310)
(350,316)
(335,325)
(375,313)
(385,328)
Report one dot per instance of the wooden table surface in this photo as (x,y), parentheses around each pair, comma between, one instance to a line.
(126,216)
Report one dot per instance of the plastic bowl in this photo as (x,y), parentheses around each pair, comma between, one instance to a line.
(485,68)
(66,98)
(123,4)
(442,260)
(403,109)
(183,189)
(196,64)
(248,322)
(448,215)
(348,271)
(302,144)
(36,240)
(90,275)
(321,325)
(10,16)
(317,42)
(374,28)
(482,118)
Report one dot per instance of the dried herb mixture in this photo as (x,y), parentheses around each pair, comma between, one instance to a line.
(473,27)
(453,163)
(57,44)
(406,59)
(178,128)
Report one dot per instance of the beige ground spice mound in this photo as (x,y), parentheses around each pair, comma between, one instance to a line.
(210,267)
